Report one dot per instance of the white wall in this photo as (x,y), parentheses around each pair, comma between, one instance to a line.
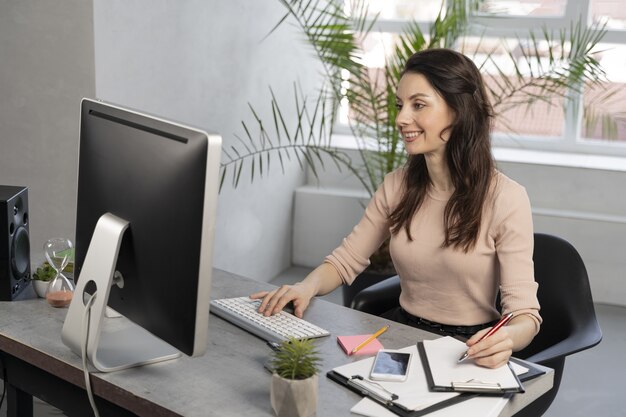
(195,61)
(200,62)
(46,67)
(586,206)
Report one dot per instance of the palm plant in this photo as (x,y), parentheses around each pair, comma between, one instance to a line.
(336,37)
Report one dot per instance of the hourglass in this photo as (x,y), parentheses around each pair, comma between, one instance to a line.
(61,289)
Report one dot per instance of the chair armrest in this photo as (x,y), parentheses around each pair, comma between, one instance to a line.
(378,298)
(575,342)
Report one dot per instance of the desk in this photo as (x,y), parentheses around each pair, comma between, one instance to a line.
(229,380)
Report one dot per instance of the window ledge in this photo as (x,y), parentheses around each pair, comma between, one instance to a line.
(563,159)
(525,156)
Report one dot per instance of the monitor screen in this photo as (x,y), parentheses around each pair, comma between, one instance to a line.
(162,179)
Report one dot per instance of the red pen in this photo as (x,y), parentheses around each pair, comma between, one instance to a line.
(504,320)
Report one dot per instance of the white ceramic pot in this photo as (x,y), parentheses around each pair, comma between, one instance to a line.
(294,397)
(40,287)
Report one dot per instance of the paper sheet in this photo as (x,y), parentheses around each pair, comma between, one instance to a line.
(474,407)
(443,354)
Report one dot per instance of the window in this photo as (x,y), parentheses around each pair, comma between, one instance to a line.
(595,121)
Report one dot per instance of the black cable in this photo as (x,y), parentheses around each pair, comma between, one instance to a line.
(4,380)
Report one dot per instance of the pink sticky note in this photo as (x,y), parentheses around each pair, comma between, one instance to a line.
(348,343)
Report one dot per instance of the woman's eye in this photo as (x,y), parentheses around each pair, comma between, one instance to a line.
(418,106)
(398,106)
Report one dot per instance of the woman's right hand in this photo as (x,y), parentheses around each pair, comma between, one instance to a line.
(274,301)
(320,281)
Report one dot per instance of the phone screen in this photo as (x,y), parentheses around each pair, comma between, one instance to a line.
(390,365)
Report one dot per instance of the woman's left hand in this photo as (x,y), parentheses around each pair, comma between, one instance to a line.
(493,351)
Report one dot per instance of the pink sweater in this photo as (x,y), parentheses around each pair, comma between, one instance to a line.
(446,285)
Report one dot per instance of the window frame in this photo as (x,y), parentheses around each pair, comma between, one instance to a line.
(483,24)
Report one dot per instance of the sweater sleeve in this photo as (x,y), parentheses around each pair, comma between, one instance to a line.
(352,256)
(514,248)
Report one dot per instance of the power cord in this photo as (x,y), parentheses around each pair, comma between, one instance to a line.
(86,322)
(4,380)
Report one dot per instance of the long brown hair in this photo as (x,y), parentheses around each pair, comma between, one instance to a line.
(468,151)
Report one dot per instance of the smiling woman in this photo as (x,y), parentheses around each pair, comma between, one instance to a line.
(459,230)
(425,119)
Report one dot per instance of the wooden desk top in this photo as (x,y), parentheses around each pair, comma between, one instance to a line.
(229,379)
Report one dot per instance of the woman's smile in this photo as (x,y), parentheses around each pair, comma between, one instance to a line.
(411,136)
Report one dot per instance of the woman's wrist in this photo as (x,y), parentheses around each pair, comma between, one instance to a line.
(522,330)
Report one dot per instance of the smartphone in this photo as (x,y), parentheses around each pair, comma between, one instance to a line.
(390,365)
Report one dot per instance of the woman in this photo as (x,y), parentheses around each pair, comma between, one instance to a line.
(460,230)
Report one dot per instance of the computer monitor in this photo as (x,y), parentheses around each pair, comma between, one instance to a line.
(147,197)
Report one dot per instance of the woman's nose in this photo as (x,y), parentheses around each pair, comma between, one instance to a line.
(402,118)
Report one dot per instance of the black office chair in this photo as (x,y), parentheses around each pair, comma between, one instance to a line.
(569,319)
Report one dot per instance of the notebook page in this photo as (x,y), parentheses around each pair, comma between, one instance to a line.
(443,354)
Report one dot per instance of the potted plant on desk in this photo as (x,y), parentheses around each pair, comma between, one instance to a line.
(45,273)
(295,365)
(41,278)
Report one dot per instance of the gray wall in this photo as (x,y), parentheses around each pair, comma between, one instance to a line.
(200,62)
(195,61)
(46,67)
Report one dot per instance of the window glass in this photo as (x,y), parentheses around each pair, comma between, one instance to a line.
(510,94)
(605,106)
(419,10)
(603,116)
(377,46)
(533,8)
(612,12)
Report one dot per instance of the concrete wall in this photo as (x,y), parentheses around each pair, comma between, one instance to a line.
(201,62)
(585,206)
(198,62)
(46,67)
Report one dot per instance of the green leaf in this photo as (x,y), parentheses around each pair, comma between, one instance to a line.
(296,359)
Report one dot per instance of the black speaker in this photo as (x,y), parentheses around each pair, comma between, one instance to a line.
(14,241)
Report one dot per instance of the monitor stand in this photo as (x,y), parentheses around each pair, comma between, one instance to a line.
(113,343)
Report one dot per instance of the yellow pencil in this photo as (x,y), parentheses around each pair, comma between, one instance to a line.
(369,339)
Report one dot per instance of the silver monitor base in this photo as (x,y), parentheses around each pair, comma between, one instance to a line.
(113,344)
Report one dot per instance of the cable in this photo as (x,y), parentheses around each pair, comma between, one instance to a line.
(86,322)
(4,381)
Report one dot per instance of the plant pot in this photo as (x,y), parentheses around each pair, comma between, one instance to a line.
(294,397)
(40,287)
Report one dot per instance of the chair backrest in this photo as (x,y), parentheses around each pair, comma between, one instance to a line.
(569,319)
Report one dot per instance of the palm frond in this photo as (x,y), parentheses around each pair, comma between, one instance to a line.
(548,69)
(309,149)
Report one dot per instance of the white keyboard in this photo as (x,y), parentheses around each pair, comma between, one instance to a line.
(243,312)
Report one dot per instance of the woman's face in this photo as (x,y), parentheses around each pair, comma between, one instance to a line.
(422,116)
